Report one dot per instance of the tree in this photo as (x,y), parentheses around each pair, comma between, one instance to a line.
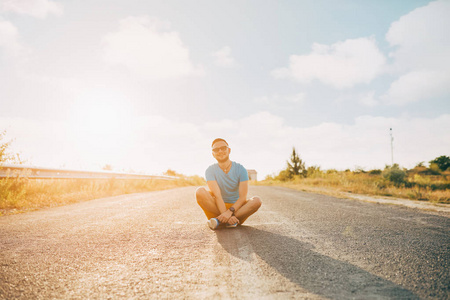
(5,155)
(171,172)
(296,166)
(443,162)
(3,148)
(107,167)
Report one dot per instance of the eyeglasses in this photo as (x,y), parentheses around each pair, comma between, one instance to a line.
(223,148)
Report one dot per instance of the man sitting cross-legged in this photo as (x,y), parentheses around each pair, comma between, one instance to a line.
(226,200)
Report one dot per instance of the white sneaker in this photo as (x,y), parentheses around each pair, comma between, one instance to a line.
(213,223)
(232,225)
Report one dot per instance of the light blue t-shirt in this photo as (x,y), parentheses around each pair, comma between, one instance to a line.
(228,183)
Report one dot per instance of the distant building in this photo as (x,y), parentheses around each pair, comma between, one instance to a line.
(252,174)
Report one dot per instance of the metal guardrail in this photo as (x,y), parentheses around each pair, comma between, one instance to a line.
(49,173)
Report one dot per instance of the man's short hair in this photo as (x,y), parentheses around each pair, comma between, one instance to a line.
(218,140)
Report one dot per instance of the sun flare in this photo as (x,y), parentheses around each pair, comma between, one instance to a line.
(99,119)
(100,112)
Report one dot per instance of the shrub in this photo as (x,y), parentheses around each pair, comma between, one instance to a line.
(381,184)
(314,172)
(375,172)
(284,175)
(435,169)
(359,170)
(394,174)
(5,155)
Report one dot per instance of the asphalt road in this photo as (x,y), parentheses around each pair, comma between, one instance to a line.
(157,246)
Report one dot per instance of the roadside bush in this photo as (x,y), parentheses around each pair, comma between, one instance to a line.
(284,175)
(5,155)
(425,171)
(314,172)
(381,184)
(394,174)
(375,172)
(359,170)
(434,168)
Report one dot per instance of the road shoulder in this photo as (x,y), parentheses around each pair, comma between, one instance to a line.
(417,204)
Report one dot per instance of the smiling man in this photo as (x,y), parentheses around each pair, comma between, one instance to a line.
(226,200)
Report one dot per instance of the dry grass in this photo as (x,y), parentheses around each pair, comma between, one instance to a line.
(23,194)
(416,187)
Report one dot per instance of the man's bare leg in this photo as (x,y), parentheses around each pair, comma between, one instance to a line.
(206,201)
(249,208)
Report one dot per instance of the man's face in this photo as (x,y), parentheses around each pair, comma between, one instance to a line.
(220,151)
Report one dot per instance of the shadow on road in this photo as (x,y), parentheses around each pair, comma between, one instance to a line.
(317,273)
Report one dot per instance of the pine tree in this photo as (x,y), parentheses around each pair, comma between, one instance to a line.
(296,166)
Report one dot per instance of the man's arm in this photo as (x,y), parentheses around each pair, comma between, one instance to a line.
(243,191)
(214,187)
(226,216)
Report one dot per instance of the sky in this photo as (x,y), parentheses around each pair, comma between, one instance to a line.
(145,86)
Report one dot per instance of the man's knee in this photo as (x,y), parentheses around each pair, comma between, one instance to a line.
(200,194)
(200,191)
(256,202)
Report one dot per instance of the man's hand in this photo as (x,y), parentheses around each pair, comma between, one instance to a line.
(233,220)
(224,217)
(227,217)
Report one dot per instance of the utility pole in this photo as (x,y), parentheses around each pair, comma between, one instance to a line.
(392,147)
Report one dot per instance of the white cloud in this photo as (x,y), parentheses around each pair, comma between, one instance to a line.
(341,65)
(261,141)
(9,40)
(417,85)
(223,58)
(35,8)
(369,99)
(276,99)
(297,98)
(421,54)
(40,142)
(421,38)
(146,47)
